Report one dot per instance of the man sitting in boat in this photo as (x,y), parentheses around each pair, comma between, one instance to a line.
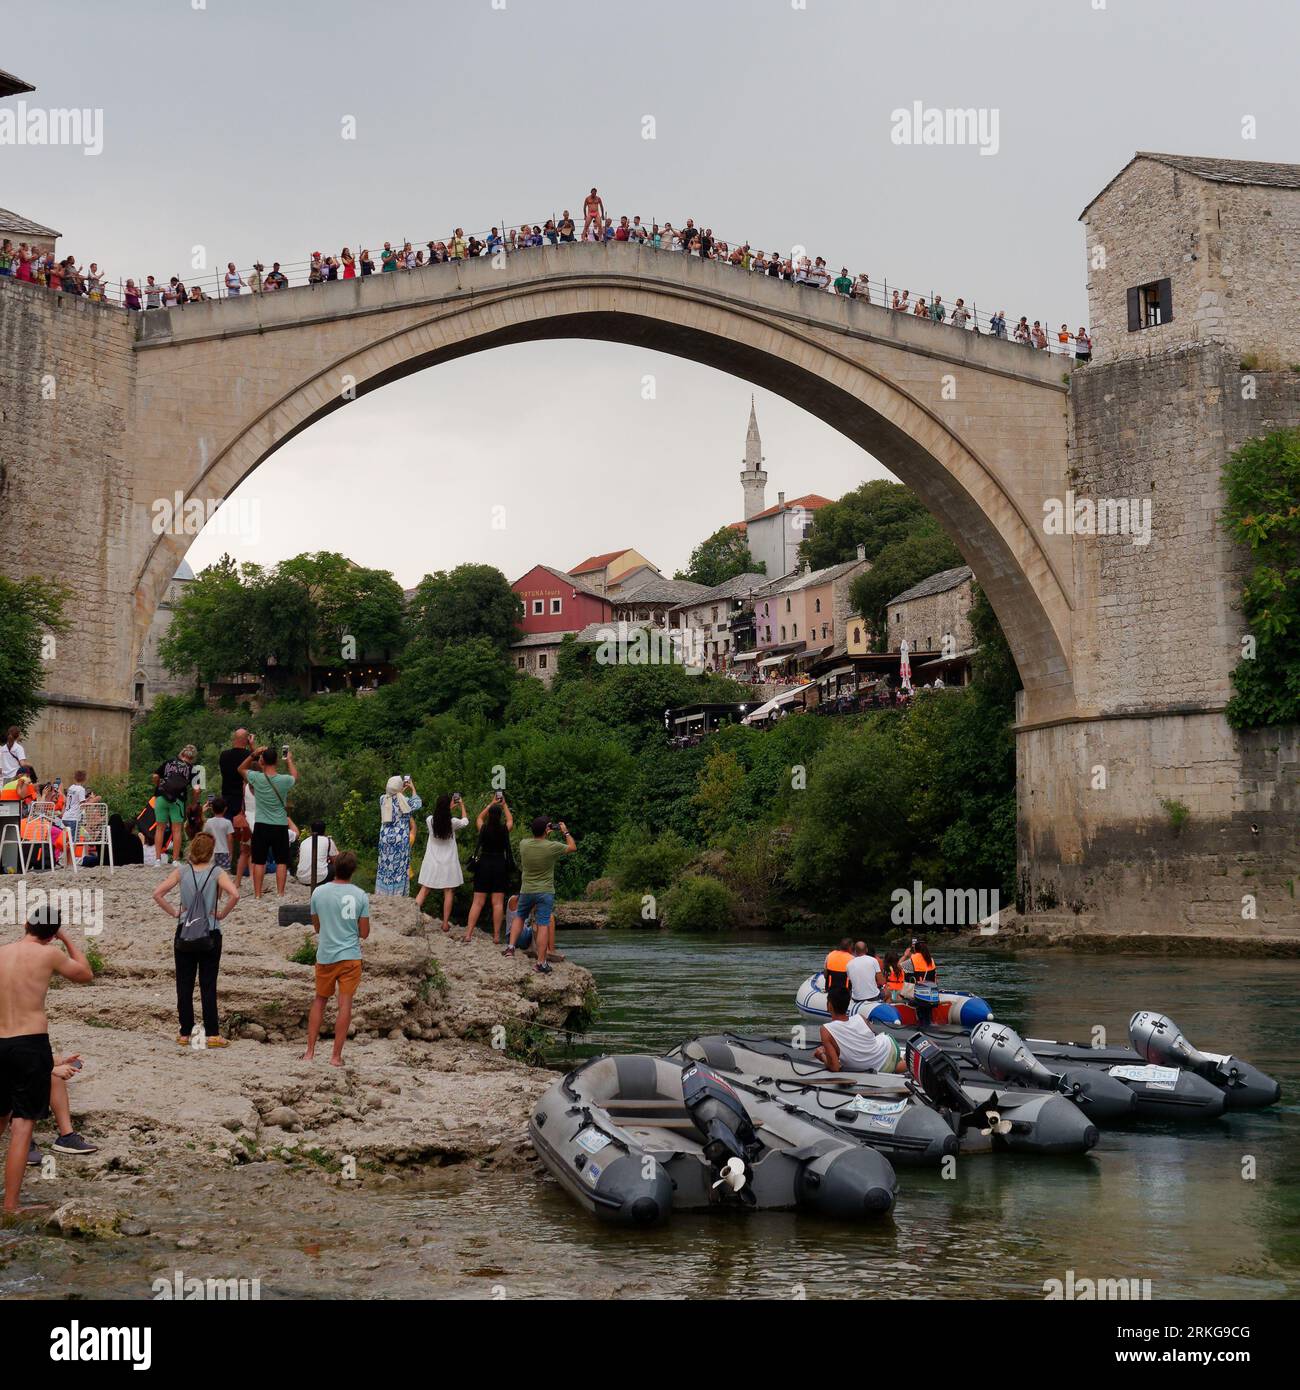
(865,979)
(848,1044)
(837,963)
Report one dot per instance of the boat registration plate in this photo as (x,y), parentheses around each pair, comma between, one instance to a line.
(592,1140)
(1161,1078)
(868,1105)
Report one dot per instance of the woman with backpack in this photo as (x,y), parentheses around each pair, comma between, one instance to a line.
(208,895)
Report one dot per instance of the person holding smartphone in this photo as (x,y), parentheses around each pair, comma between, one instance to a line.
(396,807)
(538,856)
(271,789)
(491,865)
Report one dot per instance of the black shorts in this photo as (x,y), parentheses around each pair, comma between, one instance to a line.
(270,837)
(26,1064)
(492,874)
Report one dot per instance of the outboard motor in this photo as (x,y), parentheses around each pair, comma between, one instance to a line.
(935,1073)
(1158,1039)
(925,999)
(1006,1057)
(720,1116)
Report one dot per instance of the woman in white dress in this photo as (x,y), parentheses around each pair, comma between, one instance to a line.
(441,867)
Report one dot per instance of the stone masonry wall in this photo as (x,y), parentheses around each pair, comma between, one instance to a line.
(1228,250)
(924,621)
(1158,633)
(1156,624)
(66,369)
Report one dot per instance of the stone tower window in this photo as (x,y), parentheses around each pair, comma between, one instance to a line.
(1150,305)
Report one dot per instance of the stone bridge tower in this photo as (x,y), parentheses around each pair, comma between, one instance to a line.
(1148,809)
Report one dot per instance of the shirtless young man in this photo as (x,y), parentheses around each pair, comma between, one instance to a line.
(593,213)
(26,1062)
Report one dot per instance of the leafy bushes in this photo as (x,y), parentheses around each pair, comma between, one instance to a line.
(700,904)
(1262,490)
(636,861)
(628,910)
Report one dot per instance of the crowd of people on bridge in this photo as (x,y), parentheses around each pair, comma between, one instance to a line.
(32,266)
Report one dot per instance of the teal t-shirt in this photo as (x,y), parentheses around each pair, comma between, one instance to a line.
(271,808)
(340,907)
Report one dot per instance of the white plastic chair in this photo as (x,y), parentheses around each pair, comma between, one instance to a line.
(13,824)
(92,833)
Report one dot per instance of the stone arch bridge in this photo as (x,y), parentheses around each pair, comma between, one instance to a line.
(105,415)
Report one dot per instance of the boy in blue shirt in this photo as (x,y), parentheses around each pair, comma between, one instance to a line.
(340,917)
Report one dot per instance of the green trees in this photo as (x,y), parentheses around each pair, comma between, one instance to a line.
(467,602)
(31,613)
(719,557)
(1262,510)
(874,515)
(815,815)
(313,609)
(923,551)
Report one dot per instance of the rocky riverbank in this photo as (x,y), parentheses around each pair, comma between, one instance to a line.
(438,1069)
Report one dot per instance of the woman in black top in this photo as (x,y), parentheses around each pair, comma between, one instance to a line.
(492,867)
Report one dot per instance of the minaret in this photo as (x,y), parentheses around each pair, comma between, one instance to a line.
(752,478)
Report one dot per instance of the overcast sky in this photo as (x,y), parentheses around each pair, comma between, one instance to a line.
(223,128)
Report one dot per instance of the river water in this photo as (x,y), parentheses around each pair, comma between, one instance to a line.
(1156,1202)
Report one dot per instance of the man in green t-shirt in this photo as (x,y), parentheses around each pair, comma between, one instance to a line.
(538,857)
(271,825)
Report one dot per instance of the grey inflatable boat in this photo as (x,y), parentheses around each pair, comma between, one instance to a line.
(884,1112)
(633,1139)
(985,1117)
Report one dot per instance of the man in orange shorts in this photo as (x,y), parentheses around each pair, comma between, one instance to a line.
(340,917)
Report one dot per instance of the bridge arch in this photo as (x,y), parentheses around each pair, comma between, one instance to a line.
(975,427)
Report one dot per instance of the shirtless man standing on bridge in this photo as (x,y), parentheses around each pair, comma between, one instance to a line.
(593,212)
(26,1062)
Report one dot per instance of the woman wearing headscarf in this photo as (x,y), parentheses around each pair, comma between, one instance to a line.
(127,847)
(399,801)
(441,867)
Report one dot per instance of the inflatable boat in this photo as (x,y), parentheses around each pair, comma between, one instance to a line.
(882,1111)
(985,1117)
(633,1139)
(925,1004)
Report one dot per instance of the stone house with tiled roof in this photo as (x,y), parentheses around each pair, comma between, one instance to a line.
(19,229)
(1189,249)
(613,570)
(934,615)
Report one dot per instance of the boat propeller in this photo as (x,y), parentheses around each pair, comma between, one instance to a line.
(732,1173)
(995,1124)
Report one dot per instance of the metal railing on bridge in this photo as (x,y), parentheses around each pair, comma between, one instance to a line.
(211,285)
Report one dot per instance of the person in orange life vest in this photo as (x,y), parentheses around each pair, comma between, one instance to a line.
(894,979)
(921,963)
(836,968)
